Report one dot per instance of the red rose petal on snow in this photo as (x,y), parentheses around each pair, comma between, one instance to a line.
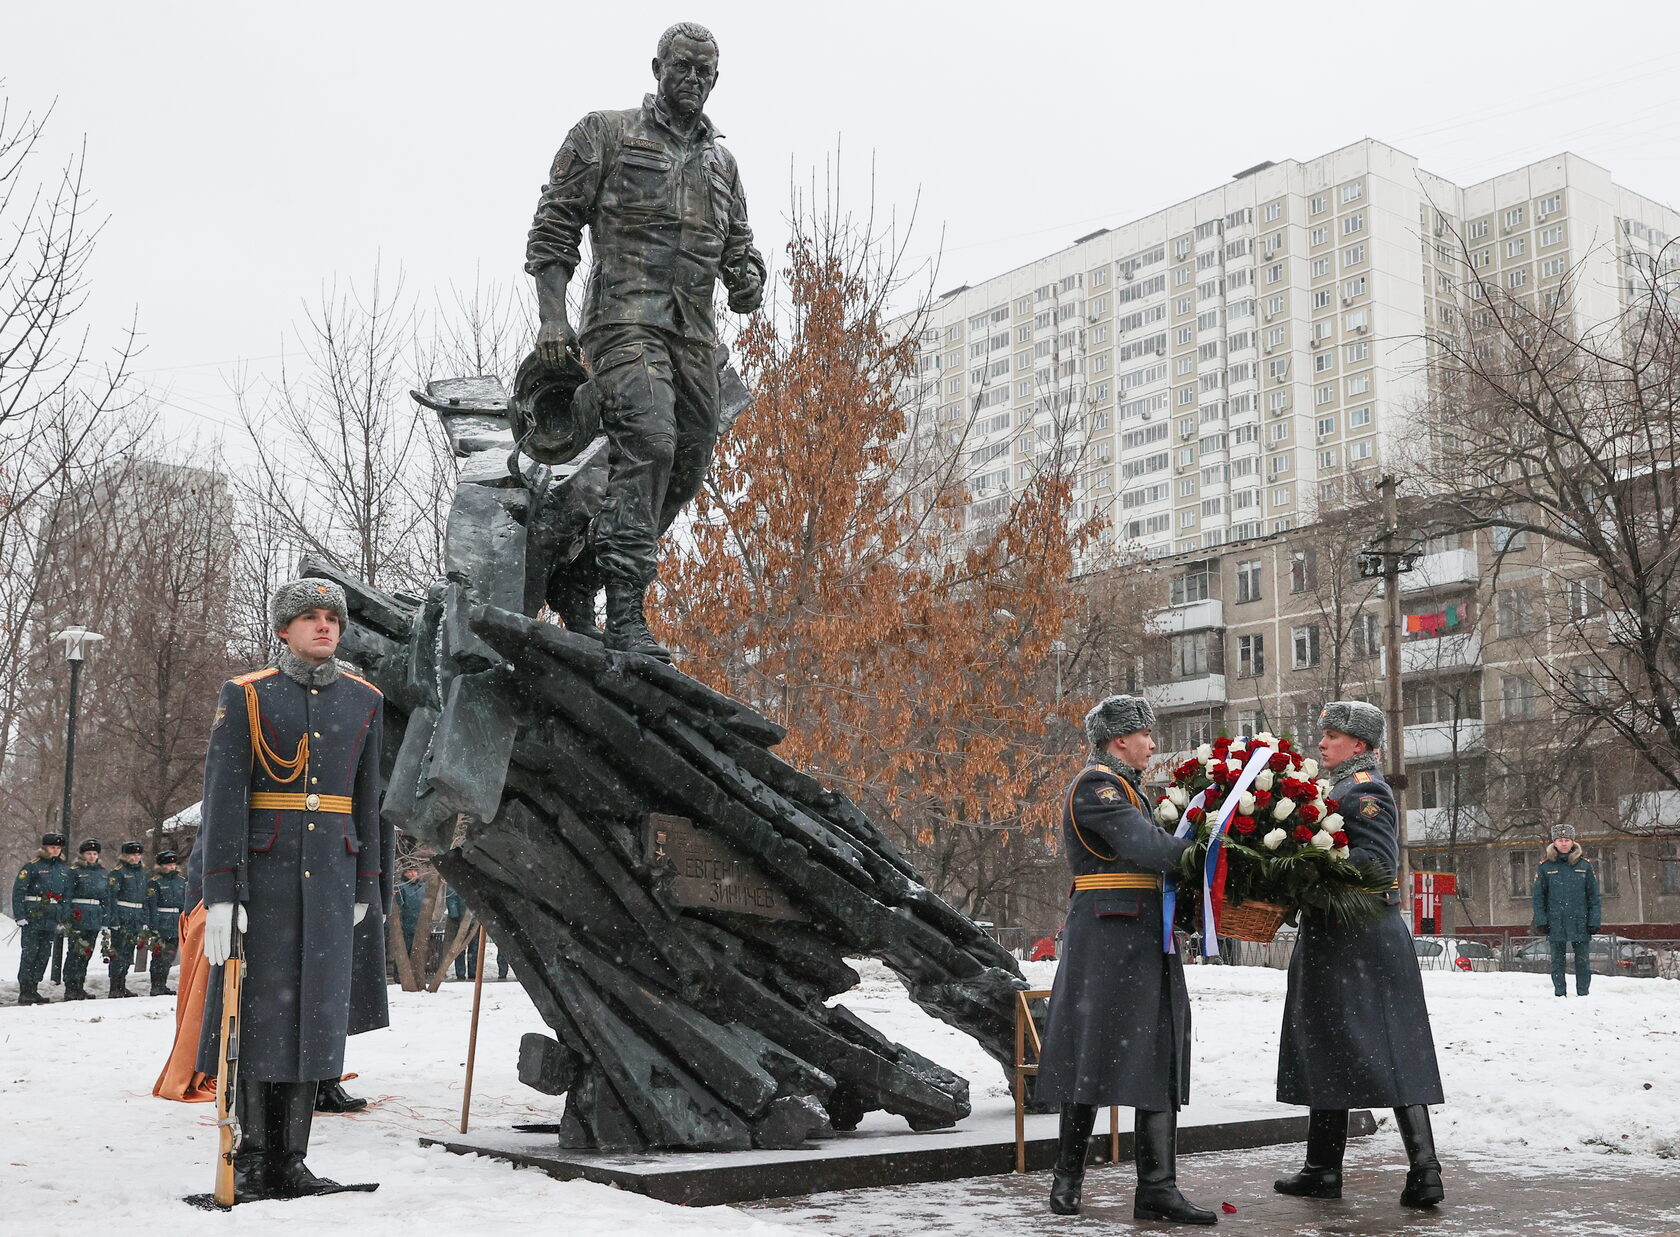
(1228,1208)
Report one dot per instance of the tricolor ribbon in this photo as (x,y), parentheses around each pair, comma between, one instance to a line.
(1213,868)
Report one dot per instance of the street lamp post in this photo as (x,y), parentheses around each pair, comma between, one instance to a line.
(77,642)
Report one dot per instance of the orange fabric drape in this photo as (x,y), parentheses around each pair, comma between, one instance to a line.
(180,1079)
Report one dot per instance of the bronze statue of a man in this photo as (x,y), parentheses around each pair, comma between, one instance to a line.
(667,220)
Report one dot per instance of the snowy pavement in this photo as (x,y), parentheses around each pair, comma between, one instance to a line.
(1534,1085)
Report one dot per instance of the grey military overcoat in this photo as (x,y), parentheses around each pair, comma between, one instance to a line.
(299,872)
(1119,1024)
(1355,1027)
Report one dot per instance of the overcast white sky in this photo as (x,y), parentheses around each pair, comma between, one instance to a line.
(246,153)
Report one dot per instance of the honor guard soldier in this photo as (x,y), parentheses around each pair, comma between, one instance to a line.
(89,888)
(1119,1025)
(166,897)
(1355,1026)
(40,904)
(295,857)
(125,914)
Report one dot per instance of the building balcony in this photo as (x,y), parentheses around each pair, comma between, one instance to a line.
(1442,570)
(1434,826)
(1462,652)
(1187,693)
(1191,616)
(1437,740)
(1653,811)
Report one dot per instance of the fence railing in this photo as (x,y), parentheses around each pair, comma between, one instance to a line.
(1462,951)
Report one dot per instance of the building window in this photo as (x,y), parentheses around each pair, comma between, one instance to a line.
(1436,788)
(1360,451)
(1320,267)
(1353,255)
(1551,236)
(1668,871)
(1273,212)
(1353,223)
(1352,192)
(1514,217)
(1359,418)
(1305,641)
(1318,236)
(1303,571)
(1522,868)
(1317,204)
(1609,873)
(1366,635)
(1190,656)
(1194,585)
(1517,694)
(1248,580)
(1251,656)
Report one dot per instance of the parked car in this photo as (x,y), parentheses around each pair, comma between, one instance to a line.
(1611,955)
(1454,953)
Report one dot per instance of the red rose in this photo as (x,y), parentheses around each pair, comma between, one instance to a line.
(1279,762)
(1195,816)
(1283,745)
(1339,838)
(1262,798)
(75,914)
(1296,760)
(1330,805)
(1186,769)
(1243,824)
(1304,833)
(1307,812)
(1221,744)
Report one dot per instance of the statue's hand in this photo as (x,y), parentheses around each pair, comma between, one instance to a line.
(554,340)
(747,298)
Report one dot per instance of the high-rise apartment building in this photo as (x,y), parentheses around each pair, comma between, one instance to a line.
(1223,365)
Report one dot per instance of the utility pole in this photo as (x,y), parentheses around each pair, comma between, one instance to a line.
(77,640)
(1396,696)
(1389,561)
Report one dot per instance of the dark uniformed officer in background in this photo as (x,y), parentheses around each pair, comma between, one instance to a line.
(410,895)
(1355,1026)
(455,909)
(40,904)
(295,858)
(125,914)
(88,889)
(1568,910)
(166,901)
(1119,1024)
(668,221)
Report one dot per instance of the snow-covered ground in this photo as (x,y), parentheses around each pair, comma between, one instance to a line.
(82,1141)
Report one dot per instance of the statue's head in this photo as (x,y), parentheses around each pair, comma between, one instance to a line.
(686,65)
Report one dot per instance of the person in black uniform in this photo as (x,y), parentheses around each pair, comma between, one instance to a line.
(125,914)
(1119,1024)
(295,858)
(1355,1026)
(166,898)
(88,890)
(40,904)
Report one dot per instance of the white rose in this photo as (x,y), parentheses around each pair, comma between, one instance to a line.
(1324,788)
(1205,752)
(1274,839)
(1166,813)
(1282,808)
(1264,780)
(1323,840)
(1266,739)
(1341,852)
(1333,821)
(1245,805)
(1309,769)
(1178,795)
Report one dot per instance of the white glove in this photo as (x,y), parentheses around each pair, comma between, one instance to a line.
(218,931)
(23,923)
(361,913)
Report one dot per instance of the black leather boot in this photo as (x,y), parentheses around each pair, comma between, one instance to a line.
(294,1112)
(627,629)
(1072,1142)
(253,1179)
(1155,1145)
(574,599)
(162,990)
(332,1097)
(28,996)
(1423,1177)
(119,987)
(1321,1175)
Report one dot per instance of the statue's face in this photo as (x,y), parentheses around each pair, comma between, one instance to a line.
(686,74)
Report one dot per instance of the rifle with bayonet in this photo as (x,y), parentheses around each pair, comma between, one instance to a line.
(227,1068)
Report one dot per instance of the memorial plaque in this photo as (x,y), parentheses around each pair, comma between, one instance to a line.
(707,872)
